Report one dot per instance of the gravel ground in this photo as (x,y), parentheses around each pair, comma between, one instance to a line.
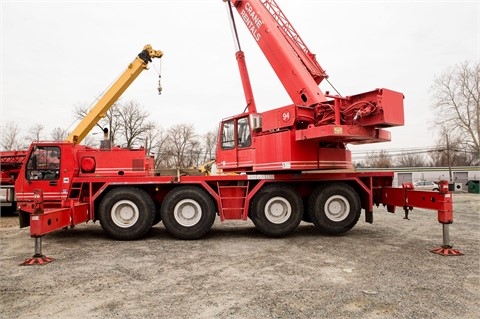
(383,270)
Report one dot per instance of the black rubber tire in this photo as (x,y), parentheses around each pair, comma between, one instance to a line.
(130,201)
(342,196)
(195,215)
(9,211)
(281,196)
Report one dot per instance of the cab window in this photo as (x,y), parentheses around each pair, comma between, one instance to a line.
(228,135)
(44,163)
(243,133)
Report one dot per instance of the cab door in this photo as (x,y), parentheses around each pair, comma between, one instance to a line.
(235,147)
(245,151)
(227,151)
(42,171)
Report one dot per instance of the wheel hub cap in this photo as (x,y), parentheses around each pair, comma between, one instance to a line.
(278,210)
(187,212)
(125,213)
(337,208)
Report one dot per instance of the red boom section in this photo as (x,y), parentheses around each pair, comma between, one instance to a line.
(284,49)
(291,35)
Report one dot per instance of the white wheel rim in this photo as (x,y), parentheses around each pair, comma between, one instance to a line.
(278,210)
(187,212)
(337,208)
(125,213)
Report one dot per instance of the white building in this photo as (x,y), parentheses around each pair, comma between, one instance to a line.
(459,175)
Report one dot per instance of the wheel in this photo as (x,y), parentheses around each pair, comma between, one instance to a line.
(334,208)
(126,213)
(188,212)
(276,210)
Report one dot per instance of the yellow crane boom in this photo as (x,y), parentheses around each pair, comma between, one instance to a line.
(113,93)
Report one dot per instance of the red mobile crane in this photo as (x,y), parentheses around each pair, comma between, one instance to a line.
(291,163)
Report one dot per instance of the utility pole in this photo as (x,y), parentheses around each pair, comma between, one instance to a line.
(448,158)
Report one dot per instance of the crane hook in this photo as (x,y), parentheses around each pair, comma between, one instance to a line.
(159,85)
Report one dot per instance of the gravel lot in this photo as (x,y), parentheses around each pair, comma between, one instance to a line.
(383,270)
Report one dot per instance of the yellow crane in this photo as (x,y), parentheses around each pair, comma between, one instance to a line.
(113,93)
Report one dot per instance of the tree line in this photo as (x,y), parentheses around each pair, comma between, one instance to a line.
(438,156)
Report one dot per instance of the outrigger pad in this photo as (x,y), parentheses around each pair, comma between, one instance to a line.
(446,251)
(37,260)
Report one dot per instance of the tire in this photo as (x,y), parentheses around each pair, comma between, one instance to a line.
(188,212)
(334,208)
(126,213)
(9,211)
(276,210)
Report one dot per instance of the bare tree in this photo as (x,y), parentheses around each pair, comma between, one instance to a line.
(59,134)
(109,121)
(452,154)
(177,147)
(456,105)
(378,159)
(90,140)
(160,148)
(35,132)
(209,142)
(133,122)
(150,140)
(10,137)
(437,158)
(183,146)
(411,160)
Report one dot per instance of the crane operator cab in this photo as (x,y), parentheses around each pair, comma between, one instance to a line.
(44,163)
(45,170)
(236,130)
(236,149)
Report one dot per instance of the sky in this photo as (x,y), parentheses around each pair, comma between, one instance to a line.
(56,55)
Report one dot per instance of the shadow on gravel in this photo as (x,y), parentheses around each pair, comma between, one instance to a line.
(218,232)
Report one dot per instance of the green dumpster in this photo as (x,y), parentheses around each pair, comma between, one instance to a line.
(473,186)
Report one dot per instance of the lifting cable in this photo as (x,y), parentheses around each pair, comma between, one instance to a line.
(326,79)
(159,71)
